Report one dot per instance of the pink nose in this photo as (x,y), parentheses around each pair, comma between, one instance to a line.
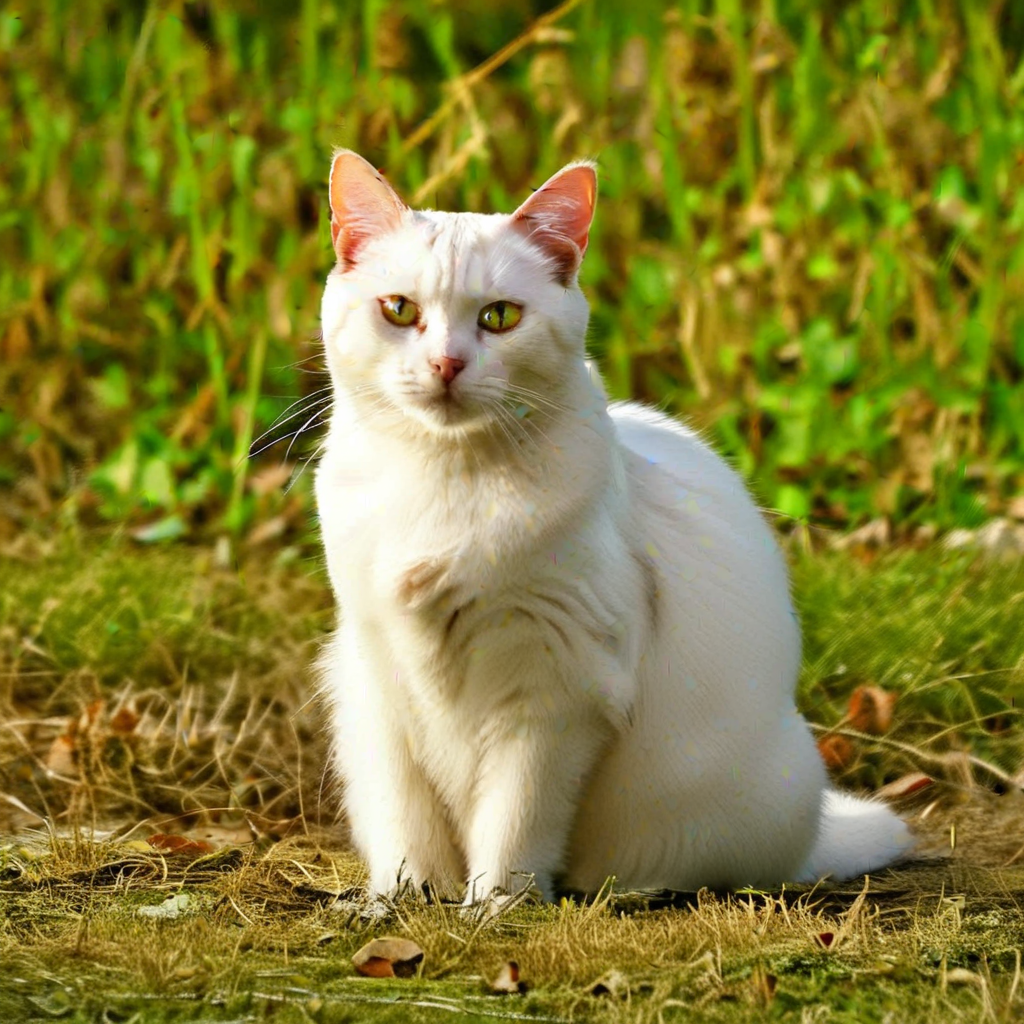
(447,368)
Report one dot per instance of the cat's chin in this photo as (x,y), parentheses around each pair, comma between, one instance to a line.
(447,416)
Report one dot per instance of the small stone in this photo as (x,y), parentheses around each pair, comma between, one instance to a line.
(1000,538)
(171,908)
(959,540)
(875,534)
(614,984)
(508,981)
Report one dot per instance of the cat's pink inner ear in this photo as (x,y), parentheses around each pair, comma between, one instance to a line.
(557,217)
(363,205)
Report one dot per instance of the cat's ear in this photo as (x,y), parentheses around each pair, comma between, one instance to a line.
(363,204)
(557,217)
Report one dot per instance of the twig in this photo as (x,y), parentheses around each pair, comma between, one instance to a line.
(481,71)
(906,748)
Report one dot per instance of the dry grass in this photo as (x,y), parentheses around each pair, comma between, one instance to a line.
(937,944)
(141,684)
(153,692)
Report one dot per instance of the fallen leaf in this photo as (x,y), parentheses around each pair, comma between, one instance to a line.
(508,981)
(124,721)
(219,837)
(870,709)
(138,845)
(906,785)
(388,958)
(273,828)
(836,751)
(376,967)
(179,845)
(60,758)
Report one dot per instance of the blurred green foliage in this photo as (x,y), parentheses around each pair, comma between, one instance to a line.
(810,238)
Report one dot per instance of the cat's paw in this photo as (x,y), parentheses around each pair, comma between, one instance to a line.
(498,902)
(425,583)
(371,908)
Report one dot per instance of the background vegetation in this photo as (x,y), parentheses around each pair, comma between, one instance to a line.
(810,241)
(810,238)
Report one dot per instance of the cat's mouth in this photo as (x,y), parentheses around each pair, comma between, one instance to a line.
(447,407)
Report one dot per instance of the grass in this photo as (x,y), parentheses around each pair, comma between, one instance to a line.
(258,939)
(809,238)
(123,716)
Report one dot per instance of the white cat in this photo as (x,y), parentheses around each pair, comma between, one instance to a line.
(567,649)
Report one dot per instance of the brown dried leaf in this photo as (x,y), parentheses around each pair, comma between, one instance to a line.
(376,967)
(172,845)
(905,786)
(220,837)
(60,758)
(124,721)
(870,709)
(388,958)
(836,751)
(273,828)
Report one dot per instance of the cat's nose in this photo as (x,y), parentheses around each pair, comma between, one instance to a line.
(447,368)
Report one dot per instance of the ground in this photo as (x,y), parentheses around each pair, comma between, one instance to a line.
(161,738)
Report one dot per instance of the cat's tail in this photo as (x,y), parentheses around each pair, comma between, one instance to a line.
(855,836)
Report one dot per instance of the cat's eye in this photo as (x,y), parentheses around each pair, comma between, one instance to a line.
(499,316)
(399,310)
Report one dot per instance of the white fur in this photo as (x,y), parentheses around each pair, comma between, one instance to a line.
(567,648)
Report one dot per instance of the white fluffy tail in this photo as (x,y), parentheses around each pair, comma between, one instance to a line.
(855,836)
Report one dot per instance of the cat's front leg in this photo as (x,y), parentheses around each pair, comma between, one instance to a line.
(531,777)
(398,823)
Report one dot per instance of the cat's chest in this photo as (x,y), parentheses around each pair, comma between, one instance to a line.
(385,527)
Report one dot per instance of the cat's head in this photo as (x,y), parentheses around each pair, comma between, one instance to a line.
(454,320)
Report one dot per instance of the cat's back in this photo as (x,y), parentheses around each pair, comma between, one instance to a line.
(678,475)
(722,580)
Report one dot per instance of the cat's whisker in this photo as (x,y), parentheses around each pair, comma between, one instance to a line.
(512,436)
(326,390)
(308,425)
(534,396)
(282,419)
(293,435)
(305,462)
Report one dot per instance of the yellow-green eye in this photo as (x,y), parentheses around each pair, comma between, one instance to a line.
(499,316)
(399,310)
